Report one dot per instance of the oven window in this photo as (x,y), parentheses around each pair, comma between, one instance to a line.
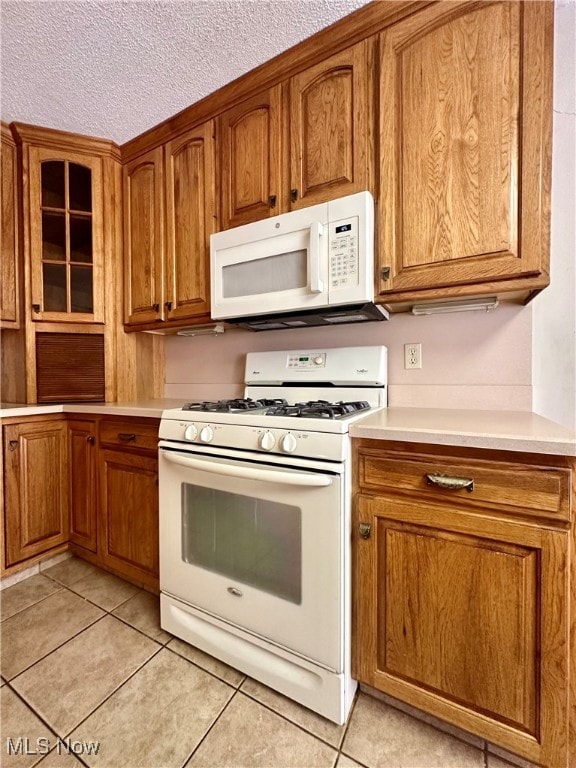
(248,540)
(271,274)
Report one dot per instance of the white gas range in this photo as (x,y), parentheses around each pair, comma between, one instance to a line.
(255,499)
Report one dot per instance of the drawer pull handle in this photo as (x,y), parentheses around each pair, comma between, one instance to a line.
(450,483)
(127,437)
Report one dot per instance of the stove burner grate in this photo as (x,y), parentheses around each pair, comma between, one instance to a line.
(320,409)
(234,405)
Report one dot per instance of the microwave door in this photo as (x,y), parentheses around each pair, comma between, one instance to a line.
(274,272)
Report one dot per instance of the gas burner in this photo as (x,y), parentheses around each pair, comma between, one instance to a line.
(233,406)
(320,409)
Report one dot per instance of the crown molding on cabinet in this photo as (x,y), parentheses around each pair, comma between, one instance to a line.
(63,140)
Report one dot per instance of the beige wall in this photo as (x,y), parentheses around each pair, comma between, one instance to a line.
(470,360)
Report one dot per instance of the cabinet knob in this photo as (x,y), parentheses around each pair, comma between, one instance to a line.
(12,445)
(156,307)
(36,307)
(293,195)
(168,305)
(385,273)
(365,529)
(91,439)
(272,201)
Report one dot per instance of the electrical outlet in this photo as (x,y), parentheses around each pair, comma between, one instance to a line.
(412,356)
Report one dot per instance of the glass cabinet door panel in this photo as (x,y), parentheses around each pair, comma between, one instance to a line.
(80,187)
(81,238)
(68,238)
(53,236)
(53,184)
(54,278)
(81,294)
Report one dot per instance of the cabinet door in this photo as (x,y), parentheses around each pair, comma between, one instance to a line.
(36,488)
(129,515)
(144,238)
(190,220)
(466,618)
(331,128)
(83,487)
(464,143)
(9,255)
(250,140)
(66,236)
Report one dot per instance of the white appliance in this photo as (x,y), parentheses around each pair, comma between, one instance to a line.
(314,266)
(255,506)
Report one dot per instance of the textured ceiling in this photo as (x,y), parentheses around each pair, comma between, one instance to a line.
(114,68)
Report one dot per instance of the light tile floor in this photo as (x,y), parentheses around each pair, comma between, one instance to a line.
(84,661)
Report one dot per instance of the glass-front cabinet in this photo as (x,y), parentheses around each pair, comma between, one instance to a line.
(66,236)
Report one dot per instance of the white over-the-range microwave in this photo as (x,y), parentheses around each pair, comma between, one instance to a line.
(314,266)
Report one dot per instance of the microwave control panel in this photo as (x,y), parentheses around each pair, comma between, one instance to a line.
(343,249)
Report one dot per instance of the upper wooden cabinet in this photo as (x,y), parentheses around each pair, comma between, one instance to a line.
(465,117)
(331,111)
(169,214)
(144,238)
(65,235)
(300,143)
(9,256)
(250,159)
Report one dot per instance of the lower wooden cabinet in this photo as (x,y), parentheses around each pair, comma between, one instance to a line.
(463,603)
(82,448)
(87,483)
(35,488)
(128,499)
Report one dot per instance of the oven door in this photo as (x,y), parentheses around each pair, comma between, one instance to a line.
(257,545)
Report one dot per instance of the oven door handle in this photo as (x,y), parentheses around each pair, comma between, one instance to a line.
(249,473)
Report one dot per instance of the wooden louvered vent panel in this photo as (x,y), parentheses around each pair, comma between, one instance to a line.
(69,367)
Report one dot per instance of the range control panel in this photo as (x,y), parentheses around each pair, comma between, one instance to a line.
(305,362)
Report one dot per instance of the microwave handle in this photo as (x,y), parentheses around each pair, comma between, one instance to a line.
(316,232)
(249,473)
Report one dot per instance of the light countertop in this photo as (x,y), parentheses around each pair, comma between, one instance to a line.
(150,408)
(498,430)
(520,431)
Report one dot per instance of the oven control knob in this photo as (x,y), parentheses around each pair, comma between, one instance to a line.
(207,434)
(318,360)
(289,443)
(191,432)
(267,441)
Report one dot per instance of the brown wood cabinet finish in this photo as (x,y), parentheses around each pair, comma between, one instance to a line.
(250,139)
(465,138)
(129,515)
(301,143)
(9,251)
(57,228)
(82,452)
(190,220)
(331,112)
(36,488)
(144,238)
(463,609)
(170,212)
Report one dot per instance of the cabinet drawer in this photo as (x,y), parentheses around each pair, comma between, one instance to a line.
(130,433)
(516,488)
